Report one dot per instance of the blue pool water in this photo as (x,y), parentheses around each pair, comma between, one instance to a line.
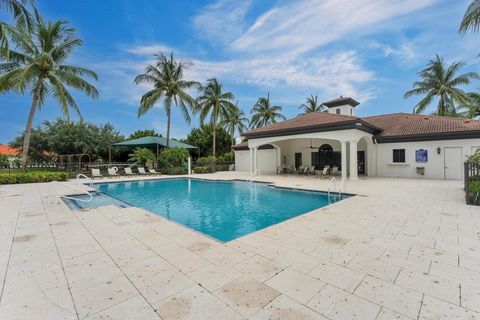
(224,210)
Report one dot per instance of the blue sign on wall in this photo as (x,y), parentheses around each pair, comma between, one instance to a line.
(421,156)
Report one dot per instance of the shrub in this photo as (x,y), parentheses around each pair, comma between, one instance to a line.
(203,169)
(174,156)
(474,157)
(206,160)
(31,177)
(227,157)
(474,191)
(174,170)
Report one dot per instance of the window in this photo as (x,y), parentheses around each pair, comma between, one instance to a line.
(337,111)
(399,155)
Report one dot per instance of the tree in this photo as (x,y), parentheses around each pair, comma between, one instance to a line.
(216,104)
(143,133)
(439,81)
(311,105)
(141,156)
(203,137)
(235,122)
(264,114)
(174,156)
(20,13)
(69,137)
(37,64)
(474,106)
(166,77)
(471,19)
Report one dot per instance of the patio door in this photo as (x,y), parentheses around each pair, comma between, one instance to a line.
(361,162)
(298,160)
(453,163)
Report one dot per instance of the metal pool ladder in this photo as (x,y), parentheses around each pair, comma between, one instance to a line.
(332,186)
(86,177)
(252,176)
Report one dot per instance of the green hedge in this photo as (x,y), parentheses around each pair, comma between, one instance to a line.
(174,170)
(474,192)
(203,169)
(31,177)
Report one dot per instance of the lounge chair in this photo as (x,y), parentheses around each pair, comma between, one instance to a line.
(334,171)
(96,173)
(112,172)
(312,169)
(128,171)
(305,170)
(325,172)
(152,171)
(141,170)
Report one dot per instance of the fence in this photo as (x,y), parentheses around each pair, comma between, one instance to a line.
(472,183)
(71,168)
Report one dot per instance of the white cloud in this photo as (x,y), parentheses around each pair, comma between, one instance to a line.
(149,50)
(406,53)
(305,25)
(223,21)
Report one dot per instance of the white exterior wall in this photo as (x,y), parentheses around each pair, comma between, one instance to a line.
(346,110)
(434,168)
(242,160)
(267,160)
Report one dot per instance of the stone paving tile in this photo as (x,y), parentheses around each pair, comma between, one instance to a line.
(338,276)
(102,296)
(434,309)
(338,304)
(333,255)
(396,298)
(131,309)
(213,277)
(470,297)
(246,296)
(376,268)
(284,308)
(406,261)
(386,314)
(456,274)
(433,286)
(295,285)
(227,314)
(435,255)
(299,261)
(192,303)
(469,263)
(259,268)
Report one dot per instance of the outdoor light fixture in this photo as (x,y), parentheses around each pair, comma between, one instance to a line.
(438,150)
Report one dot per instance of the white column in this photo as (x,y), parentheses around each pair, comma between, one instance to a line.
(251,160)
(255,158)
(344,159)
(279,157)
(353,160)
(189,166)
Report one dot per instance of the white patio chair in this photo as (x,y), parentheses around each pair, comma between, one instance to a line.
(153,171)
(96,173)
(112,172)
(325,172)
(142,171)
(128,171)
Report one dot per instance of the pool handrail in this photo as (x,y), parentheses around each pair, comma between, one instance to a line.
(343,184)
(334,182)
(252,176)
(86,177)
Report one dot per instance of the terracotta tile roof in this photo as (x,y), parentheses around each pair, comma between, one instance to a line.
(9,151)
(241,146)
(304,121)
(404,124)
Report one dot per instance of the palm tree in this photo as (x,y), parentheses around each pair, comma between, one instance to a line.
(140,156)
(474,106)
(166,76)
(471,19)
(312,105)
(216,104)
(439,81)
(20,13)
(264,114)
(235,122)
(36,64)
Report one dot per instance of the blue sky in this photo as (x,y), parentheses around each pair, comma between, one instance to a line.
(370,50)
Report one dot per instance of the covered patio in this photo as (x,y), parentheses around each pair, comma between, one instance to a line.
(350,152)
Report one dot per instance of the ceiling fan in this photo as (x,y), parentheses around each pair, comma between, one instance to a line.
(311,146)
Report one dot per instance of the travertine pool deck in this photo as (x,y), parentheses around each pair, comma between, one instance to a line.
(400,249)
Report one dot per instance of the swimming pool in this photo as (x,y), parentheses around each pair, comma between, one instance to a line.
(224,210)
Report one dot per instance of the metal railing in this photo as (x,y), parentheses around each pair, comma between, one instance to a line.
(251,177)
(472,182)
(76,189)
(332,183)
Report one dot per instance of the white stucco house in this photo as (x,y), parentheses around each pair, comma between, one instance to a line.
(390,145)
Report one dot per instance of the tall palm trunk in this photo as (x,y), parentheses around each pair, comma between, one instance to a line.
(28,128)
(169,111)
(214,136)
